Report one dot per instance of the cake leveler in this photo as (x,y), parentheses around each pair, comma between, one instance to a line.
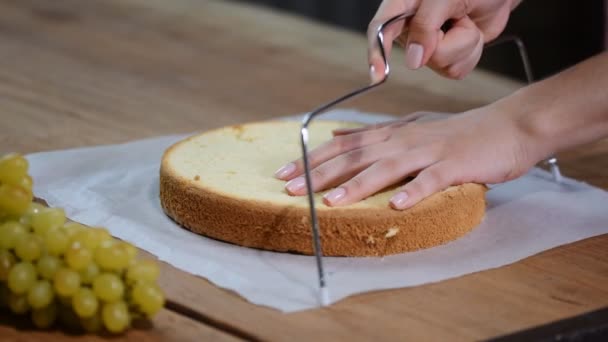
(324,296)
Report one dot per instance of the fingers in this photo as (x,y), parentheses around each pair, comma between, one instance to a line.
(336,146)
(433,179)
(460,70)
(346,131)
(459,51)
(456,45)
(424,29)
(387,9)
(453,54)
(337,170)
(392,124)
(378,176)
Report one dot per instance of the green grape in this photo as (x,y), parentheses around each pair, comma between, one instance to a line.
(29,247)
(21,277)
(92,324)
(142,270)
(87,237)
(115,316)
(84,302)
(32,209)
(18,303)
(47,219)
(66,282)
(26,182)
(40,294)
(4,217)
(77,257)
(108,243)
(111,257)
(10,233)
(56,241)
(108,287)
(48,265)
(12,168)
(89,273)
(44,318)
(130,250)
(148,297)
(7,260)
(14,200)
(102,234)
(71,228)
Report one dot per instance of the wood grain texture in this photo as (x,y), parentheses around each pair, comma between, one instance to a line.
(78,73)
(555,284)
(166,326)
(110,71)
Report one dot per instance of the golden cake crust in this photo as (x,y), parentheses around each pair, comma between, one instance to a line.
(438,219)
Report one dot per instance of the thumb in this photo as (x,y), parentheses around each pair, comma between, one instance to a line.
(424,30)
(375,60)
(387,9)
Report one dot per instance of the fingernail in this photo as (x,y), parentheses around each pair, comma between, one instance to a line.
(335,195)
(295,184)
(372,74)
(399,200)
(285,171)
(413,56)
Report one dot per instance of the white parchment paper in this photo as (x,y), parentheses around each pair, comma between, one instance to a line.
(117,187)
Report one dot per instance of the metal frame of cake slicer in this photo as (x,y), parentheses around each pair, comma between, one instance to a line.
(324,296)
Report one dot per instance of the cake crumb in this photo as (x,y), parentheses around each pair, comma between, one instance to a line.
(197,178)
(370,240)
(240,133)
(391,232)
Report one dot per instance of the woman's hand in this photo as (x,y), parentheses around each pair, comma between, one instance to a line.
(452,54)
(485,145)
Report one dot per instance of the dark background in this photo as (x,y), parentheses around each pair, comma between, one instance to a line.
(557,33)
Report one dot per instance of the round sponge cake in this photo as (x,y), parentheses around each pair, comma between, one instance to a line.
(220,184)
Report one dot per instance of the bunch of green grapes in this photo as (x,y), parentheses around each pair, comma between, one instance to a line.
(58,271)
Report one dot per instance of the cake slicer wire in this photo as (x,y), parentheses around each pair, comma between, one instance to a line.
(324,290)
(324,296)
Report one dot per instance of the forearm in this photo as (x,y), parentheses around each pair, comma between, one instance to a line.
(566,110)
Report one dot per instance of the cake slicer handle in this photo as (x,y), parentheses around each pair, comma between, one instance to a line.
(324,298)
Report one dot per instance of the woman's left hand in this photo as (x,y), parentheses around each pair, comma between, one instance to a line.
(484,145)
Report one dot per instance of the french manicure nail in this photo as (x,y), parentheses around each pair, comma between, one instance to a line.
(285,171)
(335,195)
(413,56)
(399,200)
(295,184)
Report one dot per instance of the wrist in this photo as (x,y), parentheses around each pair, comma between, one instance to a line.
(531,122)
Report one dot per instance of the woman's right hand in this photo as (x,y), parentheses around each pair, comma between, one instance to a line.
(452,54)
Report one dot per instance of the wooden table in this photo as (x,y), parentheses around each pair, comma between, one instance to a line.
(78,73)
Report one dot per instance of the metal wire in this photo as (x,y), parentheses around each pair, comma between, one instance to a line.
(304,135)
(523,53)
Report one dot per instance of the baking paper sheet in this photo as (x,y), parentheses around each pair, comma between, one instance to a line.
(117,187)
